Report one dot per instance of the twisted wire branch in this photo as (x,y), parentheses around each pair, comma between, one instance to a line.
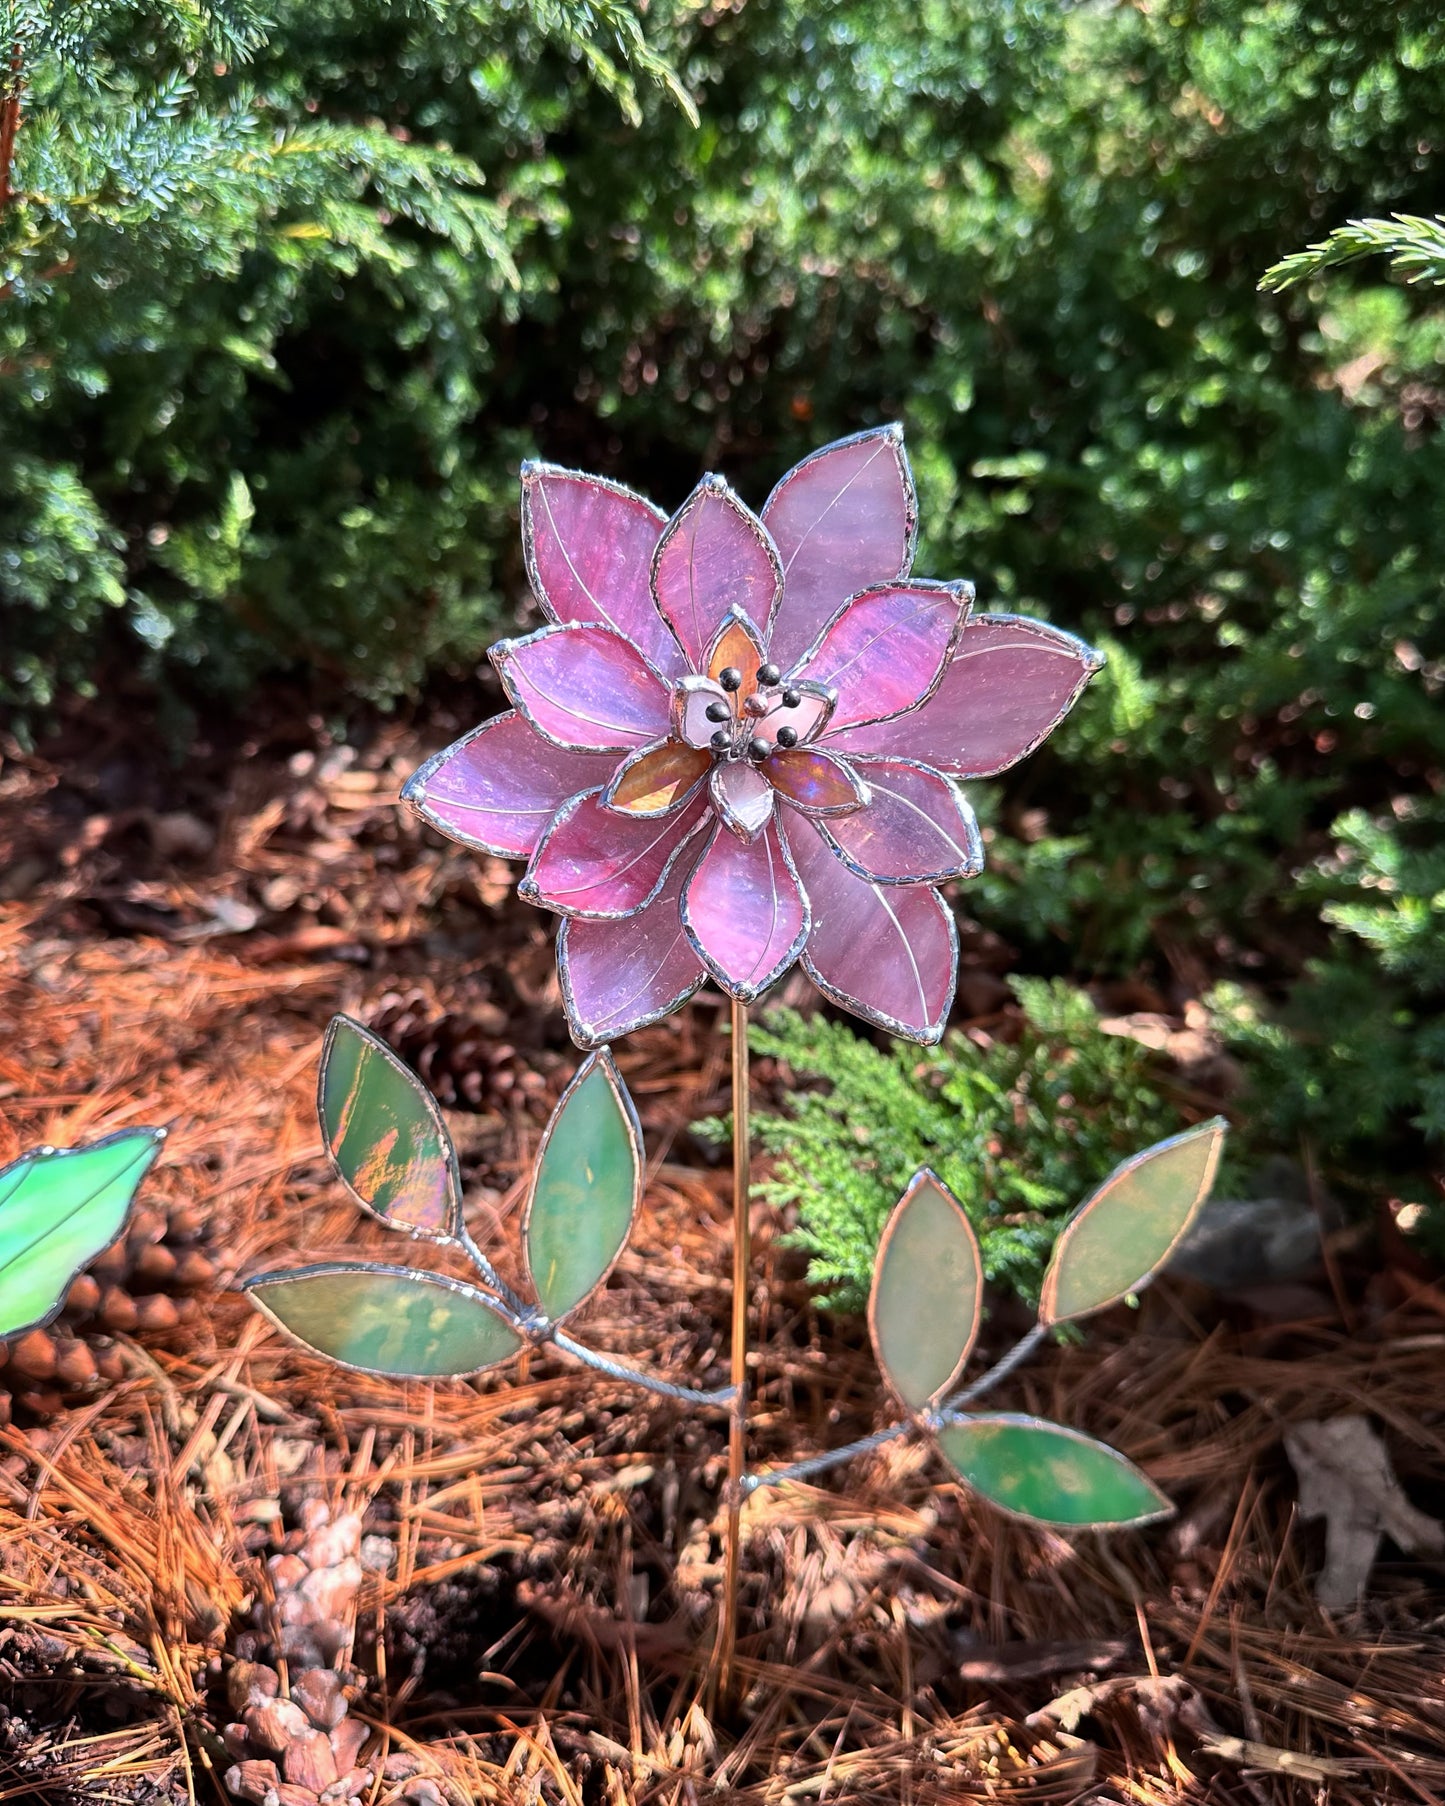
(948,1412)
(536,1329)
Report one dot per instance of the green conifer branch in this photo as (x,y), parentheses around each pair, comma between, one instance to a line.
(1414,245)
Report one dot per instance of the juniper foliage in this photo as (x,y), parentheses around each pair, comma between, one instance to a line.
(179,211)
(1414,246)
(1020,1131)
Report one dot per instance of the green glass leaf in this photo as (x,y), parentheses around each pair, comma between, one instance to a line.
(385,1134)
(1050,1475)
(927,1297)
(59,1208)
(1118,1238)
(388,1320)
(586,1188)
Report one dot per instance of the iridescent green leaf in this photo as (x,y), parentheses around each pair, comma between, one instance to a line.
(59,1208)
(1119,1238)
(586,1188)
(927,1297)
(393,1321)
(1051,1475)
(385,1134)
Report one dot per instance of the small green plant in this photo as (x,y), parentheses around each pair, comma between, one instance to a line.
(1009,1126)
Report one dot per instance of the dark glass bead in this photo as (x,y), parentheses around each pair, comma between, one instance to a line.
(768,674)
(791,698)
(730,678)
(721,739)
(760,749)
(717,711)
(787,736)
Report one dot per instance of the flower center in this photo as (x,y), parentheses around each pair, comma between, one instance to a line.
(751,726)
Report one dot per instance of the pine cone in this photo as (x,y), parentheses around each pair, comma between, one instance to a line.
(465,1058)
(303,1750)
(145,1281)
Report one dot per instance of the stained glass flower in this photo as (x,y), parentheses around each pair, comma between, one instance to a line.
(739,741)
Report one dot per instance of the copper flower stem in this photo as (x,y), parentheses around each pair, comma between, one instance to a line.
(737,1422)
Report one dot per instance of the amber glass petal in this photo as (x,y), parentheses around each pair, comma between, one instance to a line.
(816,782)
(1049,1474)
(656,779)
(927,1297)
(59,1208)
(1126,1231)
(385,1134)
(586,1188)
(387,1320)
(738,645)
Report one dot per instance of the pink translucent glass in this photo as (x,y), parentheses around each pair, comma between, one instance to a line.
(916,828)
(594,862)
(887,952)
(885,649)
(714,556)
(584,687)
(588,546)
(619,975)
(808,716)
(497,789)
(1008,685)
(842,520)
(744,912)
(691,702)
(743,797)
(804,807)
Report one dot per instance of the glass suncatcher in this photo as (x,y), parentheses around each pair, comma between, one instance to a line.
(389,1146)
(59,1209)
(736,744)
(926,1304)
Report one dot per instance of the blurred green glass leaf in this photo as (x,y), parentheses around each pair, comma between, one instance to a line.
(59,1208)
(387,1320)
(1124,1232)
(1049,1474)
(927,1297)
(385,1134)
(586,1188)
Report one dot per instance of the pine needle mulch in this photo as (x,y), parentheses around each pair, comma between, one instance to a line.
(539,1622)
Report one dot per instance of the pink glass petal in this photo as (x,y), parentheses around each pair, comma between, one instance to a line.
(843,520)
(815,782)
(714,555)
(498,787)
(691,700)
(619,975)
(888,954)
(916,829)
(655,780)
(588,545)
(807,717)
(742,796)
(744,912)
(1009,683)
(584,687)
(594,862)
(886,649)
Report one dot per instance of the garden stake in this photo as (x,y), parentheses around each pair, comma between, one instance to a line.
(738,1412)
